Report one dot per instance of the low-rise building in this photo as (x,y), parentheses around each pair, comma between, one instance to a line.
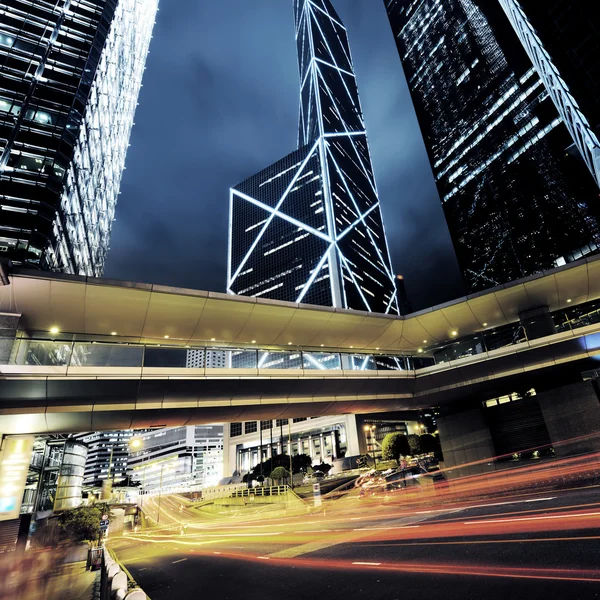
(338,440)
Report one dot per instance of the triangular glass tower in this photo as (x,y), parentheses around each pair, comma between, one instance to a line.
(309,227)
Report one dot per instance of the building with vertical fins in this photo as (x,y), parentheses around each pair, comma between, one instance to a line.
(309,227)
(70,74)
(516,198)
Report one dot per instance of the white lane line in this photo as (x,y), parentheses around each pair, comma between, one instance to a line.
(531,519)
(506,503)
(242,534)
(541,499)
(370,564)
(144,569)
(386,528)
(263,557)
(178,561)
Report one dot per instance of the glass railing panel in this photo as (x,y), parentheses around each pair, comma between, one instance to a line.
(391,363)
(243,359)
(359,362)
(107,355)
(323,361)
(505,336)
(173,358)
(279,360)
(42,353)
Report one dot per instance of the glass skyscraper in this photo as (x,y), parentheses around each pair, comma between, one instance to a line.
(517,199)
(309,227)
(70,74)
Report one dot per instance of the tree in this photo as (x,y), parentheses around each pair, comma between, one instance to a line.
(430,443)
(414,443)
(300,463)
(83,524)
(323,467)
(278,474)
(394,446)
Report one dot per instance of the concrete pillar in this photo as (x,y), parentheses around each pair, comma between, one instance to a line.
(466,440)
(537,323)
(572,415)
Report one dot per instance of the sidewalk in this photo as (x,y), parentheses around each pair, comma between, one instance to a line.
(34,578)
(72,582)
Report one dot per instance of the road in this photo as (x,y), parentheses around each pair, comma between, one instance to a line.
(521,546)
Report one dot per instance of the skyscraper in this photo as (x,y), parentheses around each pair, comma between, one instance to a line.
(516,199)
(70,74)
(309,227)
(562,40)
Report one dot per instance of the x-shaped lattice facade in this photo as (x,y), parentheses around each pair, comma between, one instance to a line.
(309,228)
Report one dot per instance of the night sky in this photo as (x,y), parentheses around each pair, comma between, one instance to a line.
(220,102)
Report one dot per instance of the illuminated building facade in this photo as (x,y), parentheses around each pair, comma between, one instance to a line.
(309,227)
(338,440)
(70,74)
(107,455)
(178,458)
(516,199)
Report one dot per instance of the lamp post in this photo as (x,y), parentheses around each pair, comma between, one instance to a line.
(371,429)
(135,445)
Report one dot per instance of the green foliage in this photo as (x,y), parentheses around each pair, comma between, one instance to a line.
(323,467)
(414,443)
(430,443)
(300,463)
(279,473)
(394,446)
(83,523)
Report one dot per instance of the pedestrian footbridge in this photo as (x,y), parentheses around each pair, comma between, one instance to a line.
(81,354)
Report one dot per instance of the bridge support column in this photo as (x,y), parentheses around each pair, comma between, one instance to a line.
(537,323)
(466,440)
(572,415)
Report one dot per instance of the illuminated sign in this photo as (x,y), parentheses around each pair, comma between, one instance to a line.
(14,465)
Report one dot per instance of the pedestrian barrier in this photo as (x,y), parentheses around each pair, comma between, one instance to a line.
(116,583)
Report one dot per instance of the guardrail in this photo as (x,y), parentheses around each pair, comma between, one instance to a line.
(116,582)
(275,490)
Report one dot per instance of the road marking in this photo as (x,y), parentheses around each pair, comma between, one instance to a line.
(313,531)
(505,503)
(541,499)
(531,519)
(178,561)
(242,535)
(144,569)
(386,528)
(370,564)
(216,553)
(263,557)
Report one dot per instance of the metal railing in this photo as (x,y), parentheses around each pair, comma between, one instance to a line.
(261,491)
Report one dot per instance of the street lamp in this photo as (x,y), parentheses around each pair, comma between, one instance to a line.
(135,445)
(371,429)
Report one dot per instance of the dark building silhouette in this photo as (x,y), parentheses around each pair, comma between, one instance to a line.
(516,199)
(309,227)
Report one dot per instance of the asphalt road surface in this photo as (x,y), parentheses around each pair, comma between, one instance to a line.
(529,546)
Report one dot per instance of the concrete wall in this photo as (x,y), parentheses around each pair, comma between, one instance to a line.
(466,439)
(572,412)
